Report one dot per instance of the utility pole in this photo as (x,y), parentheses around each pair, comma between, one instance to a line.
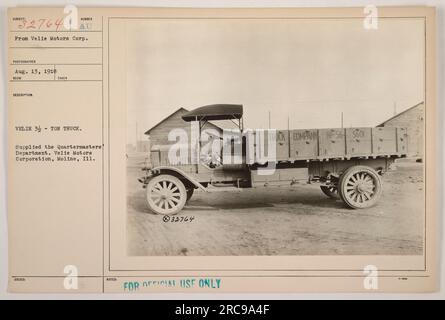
(136,136)
(269,119)
(342,119)
(288,134)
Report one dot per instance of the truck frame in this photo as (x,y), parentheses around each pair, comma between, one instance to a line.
(347,162)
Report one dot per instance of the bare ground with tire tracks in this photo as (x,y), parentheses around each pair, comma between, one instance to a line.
(297,220)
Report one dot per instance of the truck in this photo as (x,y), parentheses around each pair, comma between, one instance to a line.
(347,162)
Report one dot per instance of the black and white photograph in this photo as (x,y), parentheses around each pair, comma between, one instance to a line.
(275,137)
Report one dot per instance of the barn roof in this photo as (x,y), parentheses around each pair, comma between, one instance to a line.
(171,115)
(215,112)
(399,114)
(166,118)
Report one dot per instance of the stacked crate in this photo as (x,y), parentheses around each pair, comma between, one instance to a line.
(336,143)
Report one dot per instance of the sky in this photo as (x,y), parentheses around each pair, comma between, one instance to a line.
(309,71)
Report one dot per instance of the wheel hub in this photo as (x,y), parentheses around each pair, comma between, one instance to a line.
(359,188)
(166,194)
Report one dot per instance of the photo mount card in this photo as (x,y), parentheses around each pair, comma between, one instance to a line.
(222,150)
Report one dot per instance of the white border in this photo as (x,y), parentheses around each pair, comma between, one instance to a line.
(440,7)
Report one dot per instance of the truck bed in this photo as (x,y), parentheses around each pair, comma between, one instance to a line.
(337,143)
(323,144)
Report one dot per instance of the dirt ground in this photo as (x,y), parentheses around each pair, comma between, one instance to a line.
(297,220)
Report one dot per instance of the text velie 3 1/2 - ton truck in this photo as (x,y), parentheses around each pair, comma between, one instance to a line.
(348,162)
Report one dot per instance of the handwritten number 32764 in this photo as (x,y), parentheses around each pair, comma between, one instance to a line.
(178,219)
(41,24)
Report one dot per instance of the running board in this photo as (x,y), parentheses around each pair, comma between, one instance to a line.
(211,188)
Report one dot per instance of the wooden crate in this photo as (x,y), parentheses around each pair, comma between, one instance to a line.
(304,144)
(384,141)
(358,141)
(402,140)
(261,146)
(282,143)
(331,143)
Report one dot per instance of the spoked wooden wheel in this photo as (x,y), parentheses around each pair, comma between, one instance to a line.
(166,194)
(360,187)
(330,191)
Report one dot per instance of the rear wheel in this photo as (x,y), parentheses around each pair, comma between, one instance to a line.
(166,194)
(330,191)
(360,187)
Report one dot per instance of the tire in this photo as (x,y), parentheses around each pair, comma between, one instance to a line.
(330,191)
(189,194)
(360,187)
(166,194)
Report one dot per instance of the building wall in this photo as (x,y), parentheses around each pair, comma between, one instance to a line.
(159,136)
(143,146)
(413,120)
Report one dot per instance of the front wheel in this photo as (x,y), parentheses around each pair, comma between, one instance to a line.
(360,187)
(166,194)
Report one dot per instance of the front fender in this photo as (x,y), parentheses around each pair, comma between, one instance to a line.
(177,171)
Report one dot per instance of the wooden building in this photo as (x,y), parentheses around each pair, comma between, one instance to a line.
(158,134)
(413,120)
